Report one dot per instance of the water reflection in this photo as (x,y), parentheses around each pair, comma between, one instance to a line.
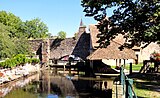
(8,87)
(48,85)
(55,84)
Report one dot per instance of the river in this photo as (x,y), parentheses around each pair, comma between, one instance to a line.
(47,84)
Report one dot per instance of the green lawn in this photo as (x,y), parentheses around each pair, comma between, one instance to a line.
(135,67)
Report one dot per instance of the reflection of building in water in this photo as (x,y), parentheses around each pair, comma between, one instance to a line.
(46,83)
(56,84)
(103,85)
(92,87)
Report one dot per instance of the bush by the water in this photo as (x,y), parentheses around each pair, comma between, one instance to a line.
(19,59)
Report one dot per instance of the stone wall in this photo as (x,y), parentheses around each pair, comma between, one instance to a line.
(41,47)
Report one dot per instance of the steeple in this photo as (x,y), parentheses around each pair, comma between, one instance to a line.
(82,28)
(81,23)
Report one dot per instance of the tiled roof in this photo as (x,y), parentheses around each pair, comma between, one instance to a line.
(60,48)
(82,47)
(93,32)
(70,46)
(112,52)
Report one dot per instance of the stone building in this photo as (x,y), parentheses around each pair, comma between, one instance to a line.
(144,53)
(84,44)
(111,55)
(77,46)
(141,54)
(58,48)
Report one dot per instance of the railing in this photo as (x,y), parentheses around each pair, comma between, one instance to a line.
(145,66)
(125,81)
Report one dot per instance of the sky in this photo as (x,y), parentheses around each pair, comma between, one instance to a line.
(58,15)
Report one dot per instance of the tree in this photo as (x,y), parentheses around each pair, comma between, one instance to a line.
(14,22)
(35,29)
(14,34)
(62,35)
(49,35)
(22,46)
(7,47)
(11,46)
(31,29)
(137,20)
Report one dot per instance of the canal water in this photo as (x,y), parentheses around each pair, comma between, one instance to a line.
(47,84)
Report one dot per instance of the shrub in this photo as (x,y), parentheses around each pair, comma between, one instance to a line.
(155,56)
(34,60)
(2,64)
(19,59)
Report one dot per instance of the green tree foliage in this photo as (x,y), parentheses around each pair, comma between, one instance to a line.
(35,29)
(22,46)
(62,35)
(12,41)
(11,46)
(14,34)
(14,22)
(31,28)
(137,20)
(7,46)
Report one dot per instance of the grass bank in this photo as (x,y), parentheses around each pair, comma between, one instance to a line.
(146,85)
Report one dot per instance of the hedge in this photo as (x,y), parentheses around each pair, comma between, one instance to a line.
(17,60)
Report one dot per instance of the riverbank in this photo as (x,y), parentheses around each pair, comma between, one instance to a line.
(146,85)
(9,87)
(10,74)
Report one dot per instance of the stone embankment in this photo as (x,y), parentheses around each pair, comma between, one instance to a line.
(10,74)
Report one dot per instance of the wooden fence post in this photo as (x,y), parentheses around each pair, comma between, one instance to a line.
(130,69)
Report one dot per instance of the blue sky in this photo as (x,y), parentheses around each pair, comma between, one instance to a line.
(58,15)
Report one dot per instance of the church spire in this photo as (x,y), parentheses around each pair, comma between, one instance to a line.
(82,29)
(81,23)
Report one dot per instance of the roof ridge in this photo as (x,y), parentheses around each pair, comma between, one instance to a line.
(116,42)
